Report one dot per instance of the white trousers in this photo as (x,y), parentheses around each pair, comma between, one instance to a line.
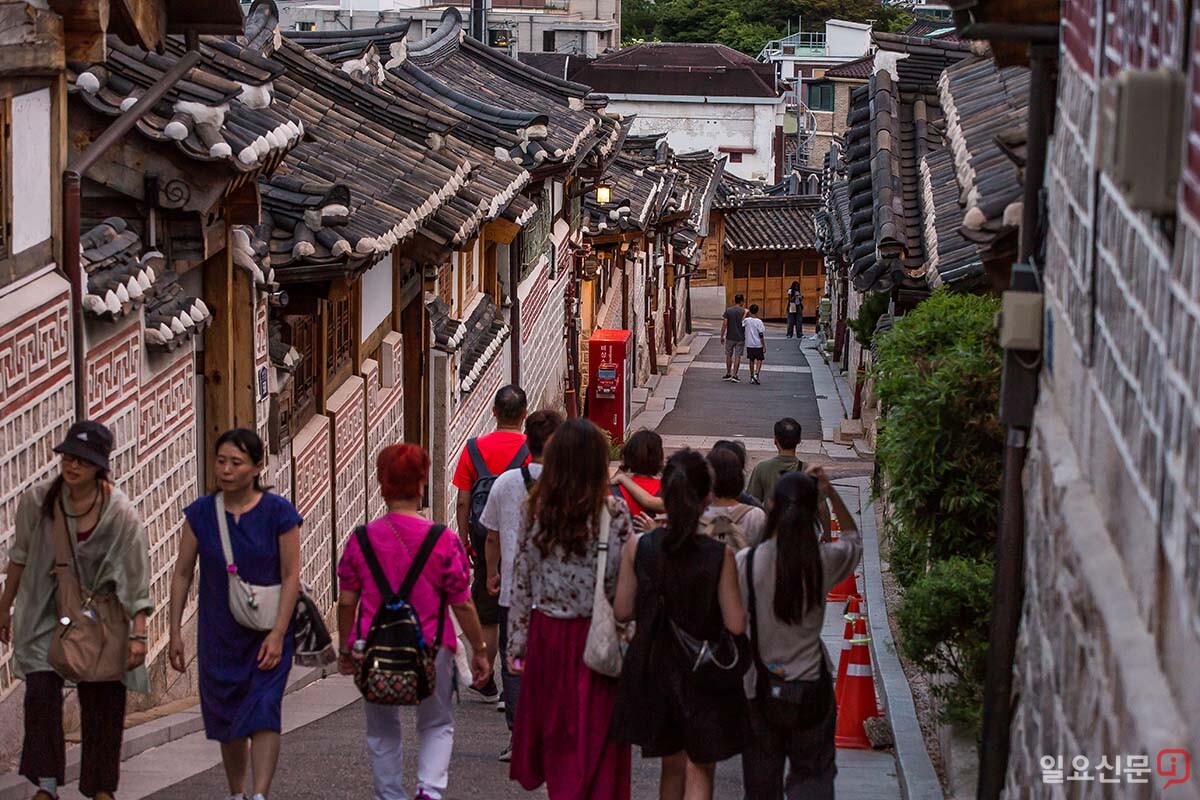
(435,739)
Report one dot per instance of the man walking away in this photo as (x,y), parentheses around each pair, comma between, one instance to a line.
(480,462)
(733,336)
(502,518)
(756,342)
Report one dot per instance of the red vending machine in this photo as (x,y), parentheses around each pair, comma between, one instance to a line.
(609,381)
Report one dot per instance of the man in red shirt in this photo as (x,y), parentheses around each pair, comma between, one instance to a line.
(499,451)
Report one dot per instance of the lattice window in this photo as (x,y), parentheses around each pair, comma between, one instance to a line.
(339,337)
(301,333)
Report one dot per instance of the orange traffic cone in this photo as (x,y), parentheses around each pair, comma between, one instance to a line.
(844,590)
(857,700)
(852,615)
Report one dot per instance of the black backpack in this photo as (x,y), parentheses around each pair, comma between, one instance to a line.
(399,668)
(484,480)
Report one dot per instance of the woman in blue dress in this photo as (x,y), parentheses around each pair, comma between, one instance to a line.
(242,671)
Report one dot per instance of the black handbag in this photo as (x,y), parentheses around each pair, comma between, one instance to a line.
(787,704)
(714,664)
(314,645)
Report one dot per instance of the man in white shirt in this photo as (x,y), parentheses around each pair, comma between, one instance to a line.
(503,518)
(756,342)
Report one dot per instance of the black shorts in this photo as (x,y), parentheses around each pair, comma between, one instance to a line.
(754,353)
(487,605)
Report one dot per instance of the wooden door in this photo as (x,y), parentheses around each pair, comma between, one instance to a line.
(412,324)
(812,283)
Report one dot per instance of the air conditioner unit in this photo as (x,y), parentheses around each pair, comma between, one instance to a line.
(1141,136)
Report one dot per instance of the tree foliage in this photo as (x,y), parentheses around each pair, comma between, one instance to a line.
(940,445)
(747,25)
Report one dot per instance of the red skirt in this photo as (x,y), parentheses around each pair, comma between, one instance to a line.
(561,733)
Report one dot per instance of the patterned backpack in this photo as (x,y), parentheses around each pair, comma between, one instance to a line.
(399,667)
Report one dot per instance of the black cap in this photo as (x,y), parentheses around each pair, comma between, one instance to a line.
(88,441)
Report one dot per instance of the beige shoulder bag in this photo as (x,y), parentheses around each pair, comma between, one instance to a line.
(253,606)
(607,640)
(91,640)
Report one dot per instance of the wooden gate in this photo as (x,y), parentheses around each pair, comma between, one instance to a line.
(764,277)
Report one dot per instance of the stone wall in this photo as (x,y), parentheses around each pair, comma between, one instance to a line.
(347,416)
(1111,626)
(313,476)
(36,400)
(384,386)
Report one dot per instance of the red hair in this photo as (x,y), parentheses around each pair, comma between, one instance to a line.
(401,469)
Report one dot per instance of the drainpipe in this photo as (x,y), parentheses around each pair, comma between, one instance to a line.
(1018,395)
(71,203)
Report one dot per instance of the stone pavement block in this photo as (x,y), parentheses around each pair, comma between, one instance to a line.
(839,451)
(639,394)
(670,385)
(656,404)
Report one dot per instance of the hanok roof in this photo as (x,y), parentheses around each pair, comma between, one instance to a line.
(545,120)
(477,340)
(774,223)
(928,188)
(705,171)
(858,69)
(122,276)
(640,191)
(672,69)
(894,123)
(924,26)
(221,113)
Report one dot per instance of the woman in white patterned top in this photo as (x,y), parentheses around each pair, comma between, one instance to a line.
(561,732)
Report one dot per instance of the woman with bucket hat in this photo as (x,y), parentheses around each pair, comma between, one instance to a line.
(75,604)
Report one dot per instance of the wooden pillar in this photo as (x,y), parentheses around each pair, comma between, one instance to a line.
(220,379)
(245,383)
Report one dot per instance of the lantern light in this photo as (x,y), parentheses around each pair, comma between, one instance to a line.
(603,194)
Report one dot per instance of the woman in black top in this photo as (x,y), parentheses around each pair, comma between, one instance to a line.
(795,310)
(674,572)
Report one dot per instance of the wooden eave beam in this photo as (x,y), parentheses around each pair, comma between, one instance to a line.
(31,41)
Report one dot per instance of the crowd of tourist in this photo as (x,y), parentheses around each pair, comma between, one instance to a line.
(671,606)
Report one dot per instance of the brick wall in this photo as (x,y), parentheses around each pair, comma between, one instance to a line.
(543,348)
(385,412)
(456,419)
(36,400)
(347,417)
(1111,625)
(313,476)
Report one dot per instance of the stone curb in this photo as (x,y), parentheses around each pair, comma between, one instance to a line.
(918,780)
(155,733)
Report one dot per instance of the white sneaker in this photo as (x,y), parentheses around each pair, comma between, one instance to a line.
(259,797)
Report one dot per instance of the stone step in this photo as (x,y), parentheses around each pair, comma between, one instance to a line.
(863,449)
(848,430)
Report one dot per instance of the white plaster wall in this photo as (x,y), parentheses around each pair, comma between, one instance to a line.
(847,38)
(709,126)
(30,169)
(376,296)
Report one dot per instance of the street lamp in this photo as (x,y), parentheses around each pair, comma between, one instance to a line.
(603,194)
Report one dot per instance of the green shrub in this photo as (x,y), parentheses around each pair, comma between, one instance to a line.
(941,448)
(874,306)
(943,618)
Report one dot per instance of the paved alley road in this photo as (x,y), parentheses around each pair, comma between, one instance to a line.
(323,752)
(709,406)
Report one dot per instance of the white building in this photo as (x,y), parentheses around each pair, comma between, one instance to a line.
(807,54)
(577,27)
(703,96)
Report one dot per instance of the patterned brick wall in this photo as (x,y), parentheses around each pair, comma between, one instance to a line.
(471,417)
(36,400)
(347,414)
(543,348)
(1111,626)
(313,478)
(166,478)
(262,399)
(385,412)
(112,376)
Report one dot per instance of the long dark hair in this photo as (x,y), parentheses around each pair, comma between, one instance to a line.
(643,453)
(795,287)
(686,484)
(572,488)
(249,443)
(55,492)
(799,576)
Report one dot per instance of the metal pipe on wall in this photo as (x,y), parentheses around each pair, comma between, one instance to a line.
(71,204)
(1009,587)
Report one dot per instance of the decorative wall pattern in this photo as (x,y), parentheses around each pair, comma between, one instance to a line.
(543,347)
(472,417)
(347,414)
(385,414)
(111,396)
(166,478)
(36,402)
(313,498)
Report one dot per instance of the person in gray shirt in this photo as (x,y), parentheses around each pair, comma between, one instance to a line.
(733,336)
